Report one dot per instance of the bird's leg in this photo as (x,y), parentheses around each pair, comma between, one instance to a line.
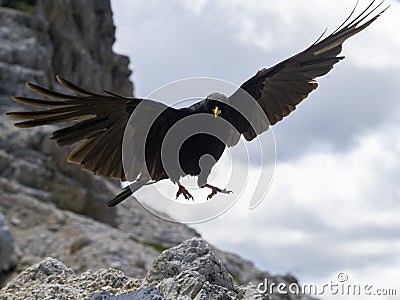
(182,190)
(215,190)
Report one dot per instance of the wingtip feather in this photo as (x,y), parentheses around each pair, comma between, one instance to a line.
(30,85)
(16,98)
(23,125)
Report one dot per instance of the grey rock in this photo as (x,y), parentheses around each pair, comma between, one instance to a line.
(32,164)
(23,55)
(193,256)
(82,36)
(199,275)
(192,270)
(50,279)
(148,293)
(40,39)
(59,38)
(197,279)
(7,258)
(44,230)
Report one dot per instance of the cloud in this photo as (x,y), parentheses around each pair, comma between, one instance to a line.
(264,22)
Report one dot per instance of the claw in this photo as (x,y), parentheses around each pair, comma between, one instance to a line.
(215,190)
(225,191)
(183,191)
(212,194)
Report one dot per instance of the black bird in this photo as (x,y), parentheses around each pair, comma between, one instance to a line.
(102,120)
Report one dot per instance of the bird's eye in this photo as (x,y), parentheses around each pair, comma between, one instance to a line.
(216,111)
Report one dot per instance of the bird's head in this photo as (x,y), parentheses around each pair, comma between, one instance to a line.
(214,103)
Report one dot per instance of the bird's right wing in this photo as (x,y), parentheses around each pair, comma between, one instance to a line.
(100,125)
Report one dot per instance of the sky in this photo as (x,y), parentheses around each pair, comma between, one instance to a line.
(334,202)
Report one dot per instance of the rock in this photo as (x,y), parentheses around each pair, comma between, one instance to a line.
(148,293)
(23,55)
(187,271)
(189,264)
(43,38)
(82,243)
(82,36)
(194,271)
(7,258)
(50,279)
(40,39)
(32,164)
(200,276)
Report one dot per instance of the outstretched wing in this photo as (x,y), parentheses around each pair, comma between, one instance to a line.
(101,122)
(277,90)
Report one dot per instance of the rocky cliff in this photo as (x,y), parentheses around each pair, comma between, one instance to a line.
(40,39)
(52,208)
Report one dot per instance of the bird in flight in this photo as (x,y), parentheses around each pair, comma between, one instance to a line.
(103,123)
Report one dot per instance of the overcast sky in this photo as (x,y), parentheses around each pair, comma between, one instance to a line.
(334,203)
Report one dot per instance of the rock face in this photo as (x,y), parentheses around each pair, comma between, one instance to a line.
(45,38)
(87,27)
(55,209)
(24,55)
(6,246)
(40,230)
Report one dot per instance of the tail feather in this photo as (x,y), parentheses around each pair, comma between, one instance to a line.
(127,191)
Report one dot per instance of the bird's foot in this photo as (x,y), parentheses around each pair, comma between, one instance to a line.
(183,191)
(215,190)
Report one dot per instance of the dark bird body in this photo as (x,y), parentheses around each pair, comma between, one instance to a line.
(196,147)
(104,122)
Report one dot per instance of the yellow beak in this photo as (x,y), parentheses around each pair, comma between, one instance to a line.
(216,111)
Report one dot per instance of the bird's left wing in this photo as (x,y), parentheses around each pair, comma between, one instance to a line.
(101,122)
(277,90)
